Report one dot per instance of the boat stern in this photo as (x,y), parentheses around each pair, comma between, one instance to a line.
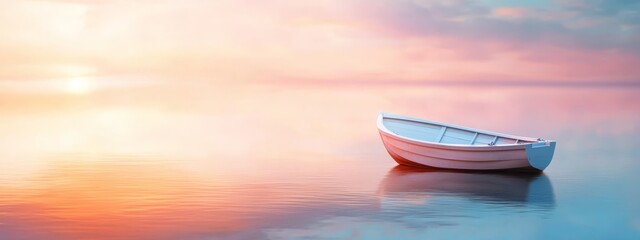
(540,154)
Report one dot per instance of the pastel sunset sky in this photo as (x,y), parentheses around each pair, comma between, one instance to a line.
(329,41)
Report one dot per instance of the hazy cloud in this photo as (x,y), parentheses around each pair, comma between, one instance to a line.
(356,40)
(592,24)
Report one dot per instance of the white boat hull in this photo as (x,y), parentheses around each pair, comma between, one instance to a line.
(528,155)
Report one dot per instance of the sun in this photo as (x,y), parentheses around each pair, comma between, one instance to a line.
(78,85)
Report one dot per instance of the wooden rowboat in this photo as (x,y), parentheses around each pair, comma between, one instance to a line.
(421,143)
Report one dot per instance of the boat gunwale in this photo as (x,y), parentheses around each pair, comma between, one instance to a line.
(457,159)
(459,148)
(383,128)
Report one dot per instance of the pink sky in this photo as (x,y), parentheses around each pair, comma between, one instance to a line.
(331,40)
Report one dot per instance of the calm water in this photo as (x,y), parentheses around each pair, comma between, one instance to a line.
(250,161)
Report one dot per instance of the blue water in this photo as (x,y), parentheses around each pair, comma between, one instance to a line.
(281,162)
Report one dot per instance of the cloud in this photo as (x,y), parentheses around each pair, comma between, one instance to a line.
(357,40)
(558,24)
(508,12)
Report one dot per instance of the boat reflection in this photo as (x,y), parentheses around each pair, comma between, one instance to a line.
(416,185)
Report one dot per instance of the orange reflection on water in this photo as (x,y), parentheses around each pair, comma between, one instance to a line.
(81,196)
(85,198)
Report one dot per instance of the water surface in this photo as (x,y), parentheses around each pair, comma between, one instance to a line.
(154,160)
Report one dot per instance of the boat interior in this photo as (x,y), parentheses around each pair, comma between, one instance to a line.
(446,134)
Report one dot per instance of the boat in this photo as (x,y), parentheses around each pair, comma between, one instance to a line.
(421,143)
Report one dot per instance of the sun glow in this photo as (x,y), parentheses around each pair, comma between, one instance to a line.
(78,85)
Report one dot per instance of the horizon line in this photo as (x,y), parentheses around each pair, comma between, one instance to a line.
(458,83)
